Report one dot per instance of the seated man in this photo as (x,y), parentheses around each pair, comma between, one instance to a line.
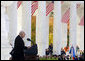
(18,50)
(51,49)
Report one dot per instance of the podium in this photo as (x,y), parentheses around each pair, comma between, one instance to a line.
(31,53)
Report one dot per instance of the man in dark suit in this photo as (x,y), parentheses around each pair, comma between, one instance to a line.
(62,51)
(19,47)
(51,48)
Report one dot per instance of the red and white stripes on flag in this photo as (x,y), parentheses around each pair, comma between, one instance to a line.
(66,16)
(34,7)
(18,4)
(82,21)
(49,8)
(62,2)
(34,2)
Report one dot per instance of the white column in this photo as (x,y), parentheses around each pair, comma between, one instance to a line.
(4,35)
(19,19)
(57,38)
(81,38)
(12,13)
(73,25)
(5,47)
(80,30)
(47,32)
(26,20)
(64,35)
(41,28)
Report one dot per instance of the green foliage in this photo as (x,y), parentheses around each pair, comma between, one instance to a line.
(67,37)
(49,58)
(51,28)
(50,38)
(51,32)
(33,31)
(51,14)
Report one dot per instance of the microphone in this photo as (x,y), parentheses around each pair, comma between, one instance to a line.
(28,39)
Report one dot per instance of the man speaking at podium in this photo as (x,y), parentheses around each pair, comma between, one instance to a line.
(18,50)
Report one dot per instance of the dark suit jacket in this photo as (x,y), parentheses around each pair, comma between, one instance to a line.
(63,52)
(18,48)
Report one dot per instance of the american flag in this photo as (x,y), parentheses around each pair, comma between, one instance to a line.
(66,16)
(49,7)
(34,7)
(62,2)
(18,4)
(34,2)
(82,21)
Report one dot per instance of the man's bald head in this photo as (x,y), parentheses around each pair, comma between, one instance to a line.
(22,34)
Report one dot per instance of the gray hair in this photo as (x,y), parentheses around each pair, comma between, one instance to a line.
(21,32)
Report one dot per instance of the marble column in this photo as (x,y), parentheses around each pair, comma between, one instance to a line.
(12,13)
(80,29)
(57,28)
(5,47)
(64,35)
(41,28)
(19,19)
(47,28)
(73,25)
(81,38)
(26,21)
